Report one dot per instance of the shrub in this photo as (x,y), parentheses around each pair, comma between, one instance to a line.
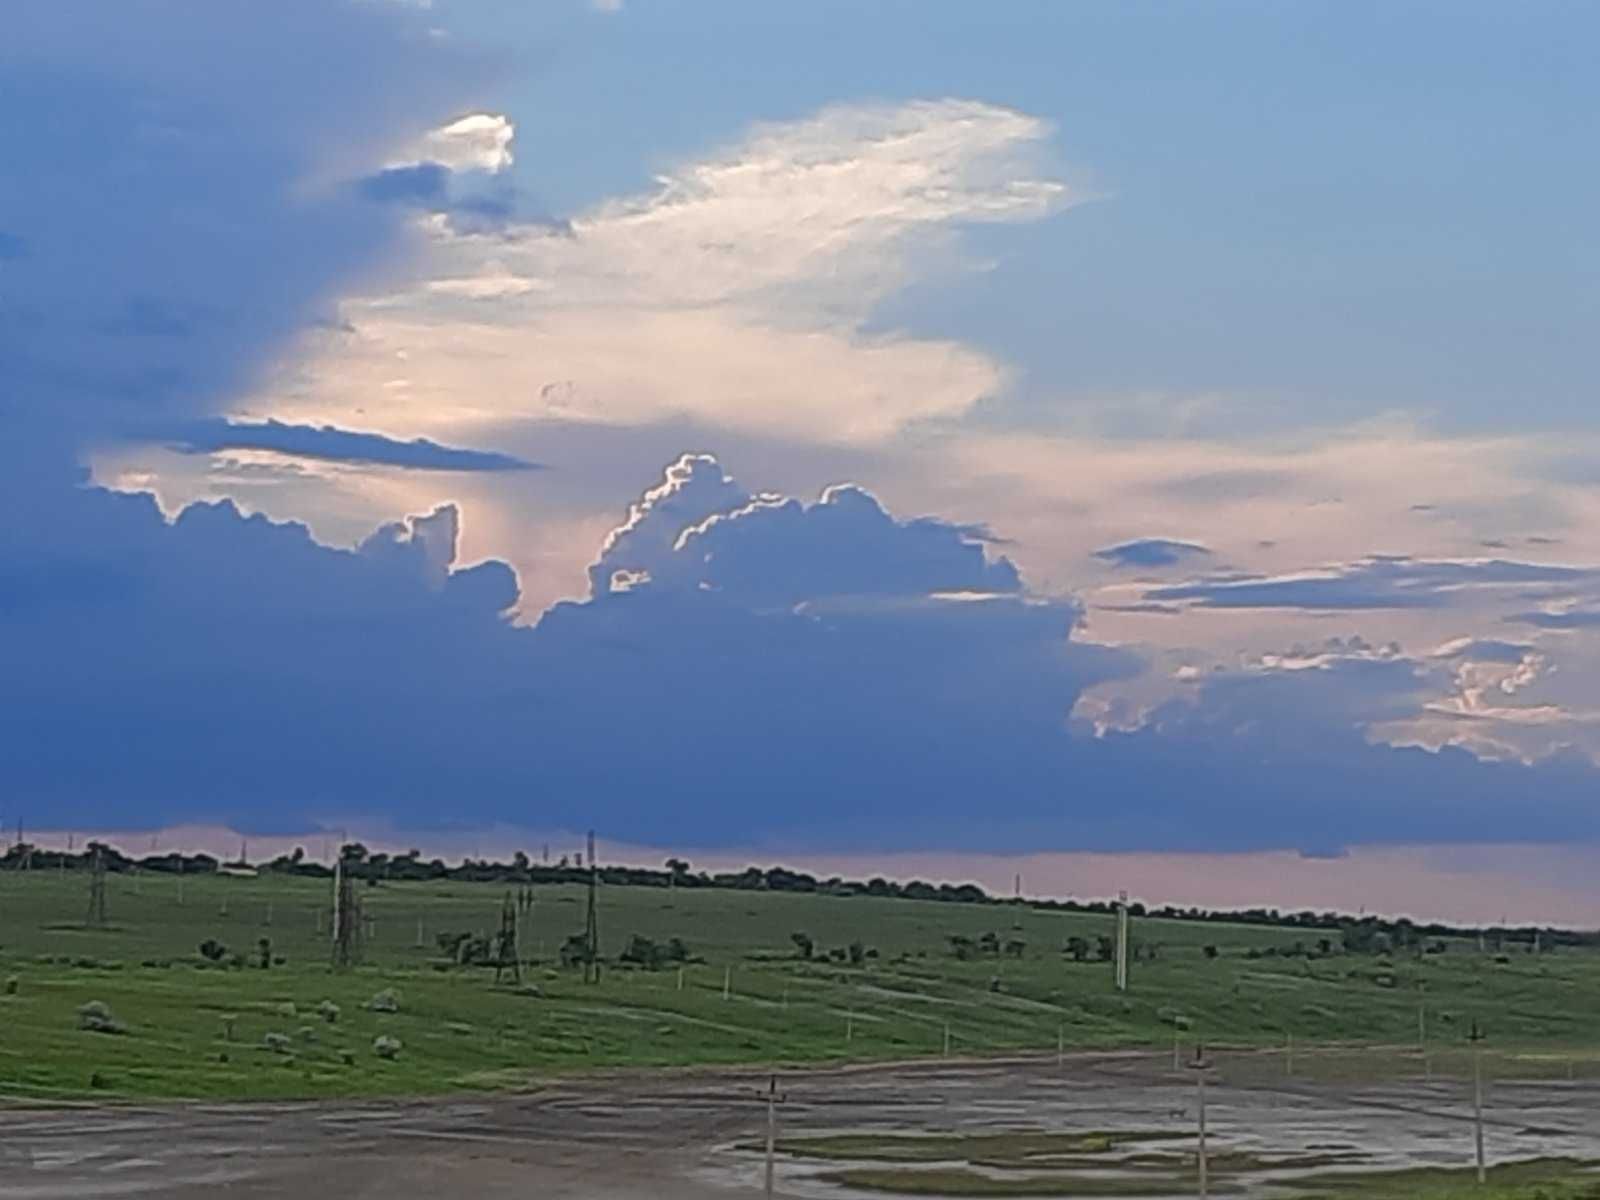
(287,1009)
(12,984)
(229,1020)
(385,1001)
(385,1046)
(212,950)
(1209,951)
(96,1017)
(306,1033)
(347,1057)
(328,1011)
(804,947)
(278,1043)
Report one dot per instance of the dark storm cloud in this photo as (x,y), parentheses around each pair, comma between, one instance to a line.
(1373,583)
(207,436)
(1151,552)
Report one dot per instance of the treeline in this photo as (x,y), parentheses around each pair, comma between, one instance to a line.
(375,867)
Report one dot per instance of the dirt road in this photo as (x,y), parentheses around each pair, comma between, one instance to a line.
(674,1137)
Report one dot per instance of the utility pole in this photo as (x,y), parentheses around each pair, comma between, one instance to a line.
(506,957)
(1200,1066)
(97,888)
(346,917)
(591,932)
(1476,1037)
(1422,1040)
(773,1100)
(1122,941)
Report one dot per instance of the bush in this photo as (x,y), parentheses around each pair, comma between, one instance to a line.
(804,947)
(278,1043)
(306,1033)
(96,1017)
(212,950)
(328,1011)
(287,1009)
(385,1001)
(12,984)
(385,1046)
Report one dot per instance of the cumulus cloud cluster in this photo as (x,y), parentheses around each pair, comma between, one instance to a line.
(746,666)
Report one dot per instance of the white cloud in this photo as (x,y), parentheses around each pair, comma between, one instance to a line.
(734,292)
(476,142)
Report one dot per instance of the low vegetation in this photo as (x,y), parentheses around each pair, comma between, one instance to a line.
(694,974)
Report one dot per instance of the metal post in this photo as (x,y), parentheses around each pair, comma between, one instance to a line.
(772,1128)
(727,982)
(1199,1066)
(1061,1046)
(1288,1056)
(947,1039)
(1122,941)
(1476,1038)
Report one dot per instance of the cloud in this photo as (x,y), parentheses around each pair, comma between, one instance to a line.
(738,290)
(476,142)
(186,200)
(210,435)
(1151,552)
(1562,618)
(1385,582)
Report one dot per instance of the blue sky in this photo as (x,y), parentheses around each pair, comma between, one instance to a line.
(905,427)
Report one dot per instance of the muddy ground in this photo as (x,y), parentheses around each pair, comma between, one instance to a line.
(675,1137)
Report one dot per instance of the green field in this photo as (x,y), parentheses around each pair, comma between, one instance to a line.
(192,1029)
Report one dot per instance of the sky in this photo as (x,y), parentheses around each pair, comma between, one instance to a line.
(1142,434)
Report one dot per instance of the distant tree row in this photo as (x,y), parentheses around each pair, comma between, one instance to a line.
(1359,934)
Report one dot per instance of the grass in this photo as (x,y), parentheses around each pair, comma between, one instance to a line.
(1015,1148)
(458,1031)
(1532,1179)
(959,1181)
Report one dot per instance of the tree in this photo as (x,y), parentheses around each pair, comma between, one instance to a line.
(1104,947)
(1209,951)
(1078,948)
(677,868)
(858,953)
(804,947)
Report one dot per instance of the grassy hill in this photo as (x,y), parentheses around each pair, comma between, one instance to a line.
(192,1028)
